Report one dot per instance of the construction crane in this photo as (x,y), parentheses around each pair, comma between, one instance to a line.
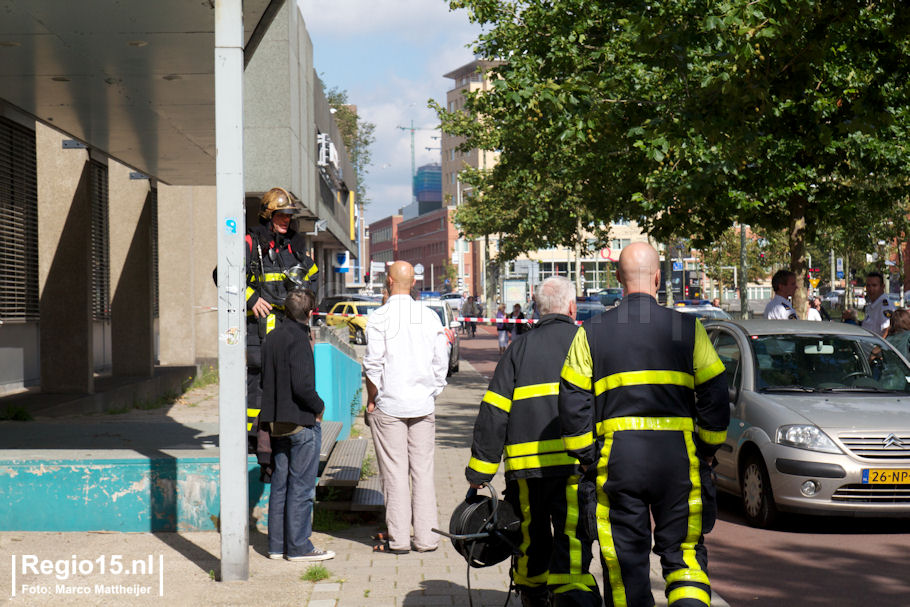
(413,128)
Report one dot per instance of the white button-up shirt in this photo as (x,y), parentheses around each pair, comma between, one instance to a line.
(878,315)
(779,308)
(407,357)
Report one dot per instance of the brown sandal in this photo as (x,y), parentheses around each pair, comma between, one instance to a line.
(380,536)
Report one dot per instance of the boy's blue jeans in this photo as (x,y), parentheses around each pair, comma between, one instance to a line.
(293,490)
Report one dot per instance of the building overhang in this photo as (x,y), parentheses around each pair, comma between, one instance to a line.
(135,80)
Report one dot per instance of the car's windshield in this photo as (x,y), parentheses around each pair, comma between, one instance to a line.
(367,308)
(828,363)
(705,312)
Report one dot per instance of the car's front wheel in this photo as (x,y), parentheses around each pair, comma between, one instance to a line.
(360,337)
(758,500)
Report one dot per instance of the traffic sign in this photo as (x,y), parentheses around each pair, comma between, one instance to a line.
(677,266)
(814,282)
(418,268)
(839,275)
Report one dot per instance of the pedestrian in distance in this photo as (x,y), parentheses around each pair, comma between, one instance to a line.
(293,412)
(518,328)
(405,365)
(643,399)
(502,330)
(814,310)
(470,310)
(784,285)
(715,302)
(878,308)
(849,316)
(519,418)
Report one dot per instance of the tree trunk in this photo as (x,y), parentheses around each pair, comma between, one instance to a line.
(797,242)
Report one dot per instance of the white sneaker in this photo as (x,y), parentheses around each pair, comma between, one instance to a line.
(275,556)
(315,555)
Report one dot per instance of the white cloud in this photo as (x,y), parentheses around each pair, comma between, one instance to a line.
(410,19)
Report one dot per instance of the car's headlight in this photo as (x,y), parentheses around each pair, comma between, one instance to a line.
(806,437)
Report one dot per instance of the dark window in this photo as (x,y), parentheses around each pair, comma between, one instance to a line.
(101,255)
(18,223)
(153,204)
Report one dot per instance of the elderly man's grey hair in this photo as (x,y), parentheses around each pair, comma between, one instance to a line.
(555,294)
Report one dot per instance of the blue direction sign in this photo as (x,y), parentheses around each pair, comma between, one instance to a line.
(839,275)
(677,266)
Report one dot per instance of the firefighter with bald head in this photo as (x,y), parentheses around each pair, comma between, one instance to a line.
(643,402)
(276,263)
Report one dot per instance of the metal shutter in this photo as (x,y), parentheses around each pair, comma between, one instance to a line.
(18,223)
(153,196)
(101,257)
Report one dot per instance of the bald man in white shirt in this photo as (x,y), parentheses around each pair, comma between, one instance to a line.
(405,366)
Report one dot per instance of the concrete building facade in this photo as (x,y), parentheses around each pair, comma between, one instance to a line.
(107,201)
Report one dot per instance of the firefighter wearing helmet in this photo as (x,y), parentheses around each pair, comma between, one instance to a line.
(276,262)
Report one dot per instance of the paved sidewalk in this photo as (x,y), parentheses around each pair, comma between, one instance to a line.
(357,576)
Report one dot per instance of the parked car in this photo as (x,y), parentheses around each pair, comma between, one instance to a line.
(587,309)
(834,299)
(705,312)
(610,296)
(447,317)
(819,420)
(344,313)
(329,302)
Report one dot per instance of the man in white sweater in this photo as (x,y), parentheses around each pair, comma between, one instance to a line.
(405,366)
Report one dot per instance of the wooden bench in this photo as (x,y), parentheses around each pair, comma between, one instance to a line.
(344,464)
(368,496)
(330,432)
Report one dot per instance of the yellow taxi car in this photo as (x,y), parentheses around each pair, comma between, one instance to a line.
(354,315)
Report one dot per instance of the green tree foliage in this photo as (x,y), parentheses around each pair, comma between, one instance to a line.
(358,137)
(687,115)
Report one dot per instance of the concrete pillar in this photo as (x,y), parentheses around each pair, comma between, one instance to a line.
(205,258)
(64,264)
(132,294)
(176,316)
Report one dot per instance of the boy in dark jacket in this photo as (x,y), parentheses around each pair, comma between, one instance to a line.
(293,411)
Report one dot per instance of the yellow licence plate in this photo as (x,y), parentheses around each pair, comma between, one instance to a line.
(879,476)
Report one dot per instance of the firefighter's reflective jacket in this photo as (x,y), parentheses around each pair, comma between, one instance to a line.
(276,263)
(518,417)
(642,366)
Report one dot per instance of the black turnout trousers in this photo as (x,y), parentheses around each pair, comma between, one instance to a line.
(654,473)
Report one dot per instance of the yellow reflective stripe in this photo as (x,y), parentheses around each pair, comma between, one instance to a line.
(574,443)
(483,467)
(250,291)
(688,592)
(251,414)
(570,527)
(534,448)
(500,402)
(704,357)
(617,424)
(539,461)
(640,378)
(273,276)
(709,372)
(580,581)
(605,532)
(712,438)
(313,270)
(535,390)
(693,533)
(520,573)
(579,366)
(574,377)
(688,575)
(270,323)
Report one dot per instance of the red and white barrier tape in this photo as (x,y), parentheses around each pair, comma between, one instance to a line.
(513,321)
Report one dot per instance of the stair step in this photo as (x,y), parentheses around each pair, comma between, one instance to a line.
(368,495)
(345,462)
(330,432)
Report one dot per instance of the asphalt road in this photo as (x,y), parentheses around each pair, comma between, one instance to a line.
(805,561)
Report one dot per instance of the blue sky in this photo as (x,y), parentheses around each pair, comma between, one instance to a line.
(390,55)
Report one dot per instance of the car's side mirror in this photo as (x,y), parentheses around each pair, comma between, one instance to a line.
(733,394)
(455,324)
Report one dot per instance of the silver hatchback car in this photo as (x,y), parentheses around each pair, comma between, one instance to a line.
(820,420)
